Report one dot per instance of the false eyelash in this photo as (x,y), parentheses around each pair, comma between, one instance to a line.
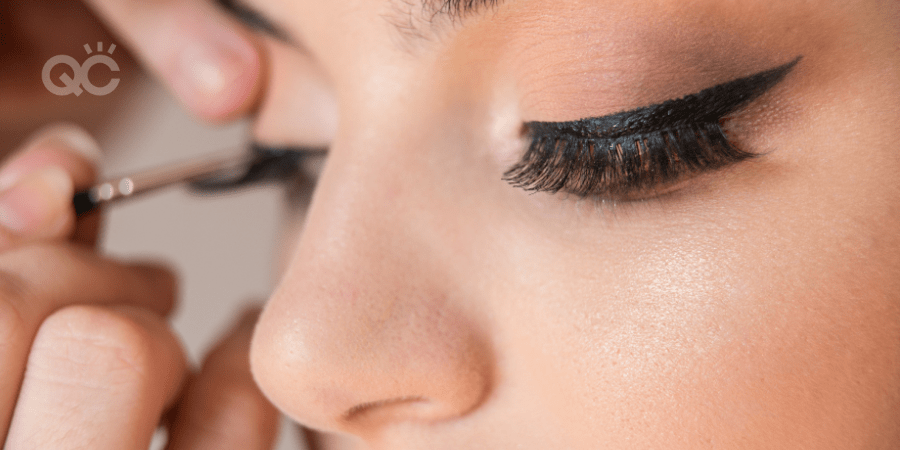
(618,167)
(626,153)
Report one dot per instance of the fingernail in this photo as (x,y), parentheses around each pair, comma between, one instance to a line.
(34,205)
(206,59)
(76,138)
(213,66)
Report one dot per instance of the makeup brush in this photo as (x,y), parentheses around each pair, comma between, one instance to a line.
(119,188)
(207,174)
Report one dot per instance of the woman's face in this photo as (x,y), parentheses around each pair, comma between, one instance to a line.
(430,304)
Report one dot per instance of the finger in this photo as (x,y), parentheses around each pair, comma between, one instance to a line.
(87,228)
(222,408)
(35,281)
(40,278)
(97,378)
(208,60)
(64,145)
(36,209)
(37,184)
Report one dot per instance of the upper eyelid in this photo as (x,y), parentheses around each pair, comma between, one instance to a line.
(611,156)
(708,105)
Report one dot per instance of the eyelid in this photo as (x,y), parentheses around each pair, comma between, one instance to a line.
(639,150)
(708,105)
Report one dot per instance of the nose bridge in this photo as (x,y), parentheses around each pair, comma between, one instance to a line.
(366,328)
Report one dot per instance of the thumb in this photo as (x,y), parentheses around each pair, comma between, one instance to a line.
(37,184)
(37,207)
(222,408)
(204,56)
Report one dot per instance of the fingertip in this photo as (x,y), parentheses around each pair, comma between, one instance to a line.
(38,205)
(248,317)
(119,365)
(217,91)
(75,138)
(158,332)
(64,145)
(163,283)
(212,65)
(232,353)
(223,406)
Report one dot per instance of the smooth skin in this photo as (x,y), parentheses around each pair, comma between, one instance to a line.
(427,304)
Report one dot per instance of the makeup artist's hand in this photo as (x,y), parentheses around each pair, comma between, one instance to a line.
(87,358)
(31,33)
(205,57)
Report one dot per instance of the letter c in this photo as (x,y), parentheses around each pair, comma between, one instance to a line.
(85,71)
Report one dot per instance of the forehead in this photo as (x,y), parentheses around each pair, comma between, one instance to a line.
(395,22)
(347,33)
(632,52)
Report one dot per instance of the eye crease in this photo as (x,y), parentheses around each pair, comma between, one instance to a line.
(623,154)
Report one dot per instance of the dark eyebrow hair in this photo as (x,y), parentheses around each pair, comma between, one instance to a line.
(417,22)
(254,20)
(456,9)
(408,22)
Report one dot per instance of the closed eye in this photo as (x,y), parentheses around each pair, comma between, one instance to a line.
(619,155)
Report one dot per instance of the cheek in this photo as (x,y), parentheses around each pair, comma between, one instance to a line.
(761,313)
(762,334)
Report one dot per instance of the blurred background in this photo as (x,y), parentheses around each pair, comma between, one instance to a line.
(223,247)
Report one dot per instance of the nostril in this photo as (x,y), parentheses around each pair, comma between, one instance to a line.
(374,415)
(366,409)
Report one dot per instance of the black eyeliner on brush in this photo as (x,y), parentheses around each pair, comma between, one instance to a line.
(211,173)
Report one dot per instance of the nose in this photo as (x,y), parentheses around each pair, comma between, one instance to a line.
(368,326)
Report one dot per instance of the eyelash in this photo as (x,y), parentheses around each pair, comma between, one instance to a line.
(588,165)
(632,154)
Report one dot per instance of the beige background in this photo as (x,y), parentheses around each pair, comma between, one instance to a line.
(222,247)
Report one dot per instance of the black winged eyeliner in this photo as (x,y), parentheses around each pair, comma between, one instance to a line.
(620,153)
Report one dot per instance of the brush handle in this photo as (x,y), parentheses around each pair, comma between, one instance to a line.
(119,188)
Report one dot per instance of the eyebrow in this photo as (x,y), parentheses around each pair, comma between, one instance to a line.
(254,20)
(431,13)
(456,8)
(416,23)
